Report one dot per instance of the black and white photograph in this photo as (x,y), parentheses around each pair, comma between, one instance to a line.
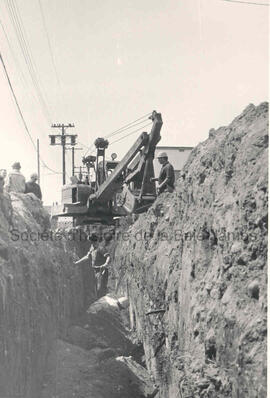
(134,198)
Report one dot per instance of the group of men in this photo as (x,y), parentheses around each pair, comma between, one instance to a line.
(16,182)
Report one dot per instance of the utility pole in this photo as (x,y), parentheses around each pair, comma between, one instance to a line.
(38,162)
(72,160)
(61,139)
(73,149)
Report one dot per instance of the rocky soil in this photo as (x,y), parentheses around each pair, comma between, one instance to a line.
(52,344)
(96,360)
(40,290)
(198,259)
(194,271)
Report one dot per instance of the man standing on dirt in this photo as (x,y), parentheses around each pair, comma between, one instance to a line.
(103,276)
(88,272)
(166,176)
(33,187)
(16,181)
(96,253)
(94,258)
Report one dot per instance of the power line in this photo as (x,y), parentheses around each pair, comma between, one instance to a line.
(89,149)
(26,52)
(48,40)
(120,130)
(135,131)
(17,104)
(21,115)
(23,79)
(86,146)
(30,56)
(247,2)
(48,168)
(50,49)
(126,126)
(13,54)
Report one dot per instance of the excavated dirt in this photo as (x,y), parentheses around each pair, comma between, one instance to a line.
(40,290)
(52,344)
(90,363)
(198,258)
(194,271)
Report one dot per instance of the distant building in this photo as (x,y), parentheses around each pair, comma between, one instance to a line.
(177,155)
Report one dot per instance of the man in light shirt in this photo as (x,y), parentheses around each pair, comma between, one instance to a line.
(15,180)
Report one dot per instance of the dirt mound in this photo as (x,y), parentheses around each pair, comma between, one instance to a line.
(199,256)
(50,346)
(91,362)
(40,290)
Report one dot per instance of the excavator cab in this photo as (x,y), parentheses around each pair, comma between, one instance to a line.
(112,189)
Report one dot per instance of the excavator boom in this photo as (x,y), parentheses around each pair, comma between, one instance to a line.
(149,142)
(120,188)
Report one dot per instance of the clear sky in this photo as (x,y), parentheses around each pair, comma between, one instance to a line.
(198,62)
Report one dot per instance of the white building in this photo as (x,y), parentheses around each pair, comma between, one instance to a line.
(177,156)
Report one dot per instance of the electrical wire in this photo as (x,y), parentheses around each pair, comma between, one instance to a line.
(23,79)
(247,2)
(21,115)
(135,131)
(91,148)
(13,54)
(32,62)
(120,130)
(86,146)
(126,126)
(16,101)
(50,50)
(26,52)
(48,40)
(31,59)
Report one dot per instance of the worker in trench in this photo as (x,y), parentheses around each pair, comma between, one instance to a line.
(166,177)
(103,276)
(98,267)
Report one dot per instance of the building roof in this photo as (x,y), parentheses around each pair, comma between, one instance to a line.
(178,155)
(179,148)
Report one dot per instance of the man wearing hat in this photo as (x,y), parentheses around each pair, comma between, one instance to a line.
(33,187)
(16,181)
(166,176)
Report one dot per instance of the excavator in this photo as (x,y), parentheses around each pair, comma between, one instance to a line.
(113,189)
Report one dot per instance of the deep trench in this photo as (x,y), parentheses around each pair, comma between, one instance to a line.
(58,340)
(197,316)
(97,355)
